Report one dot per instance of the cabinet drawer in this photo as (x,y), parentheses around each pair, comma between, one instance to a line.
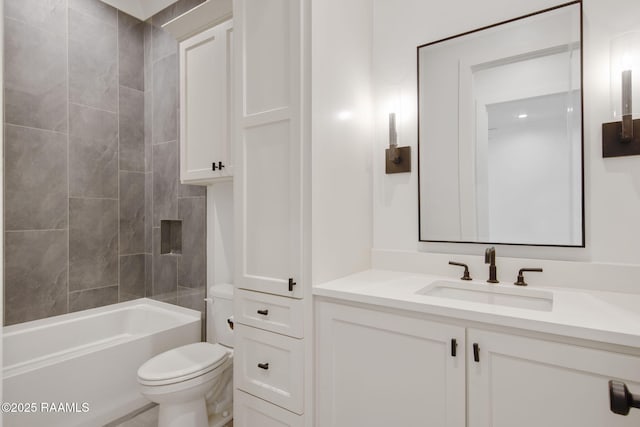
(253,412)
(269,366)
(272,313)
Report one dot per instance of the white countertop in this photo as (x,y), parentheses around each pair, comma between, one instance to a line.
(608,317)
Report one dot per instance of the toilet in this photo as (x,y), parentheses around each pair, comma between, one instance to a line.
(193,384)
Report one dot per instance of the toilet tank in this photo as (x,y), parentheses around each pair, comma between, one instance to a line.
(220,308)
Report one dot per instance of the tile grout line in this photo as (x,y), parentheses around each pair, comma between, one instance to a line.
(118,125)
(67,14)
(93,289)
(153,243)
(34,128)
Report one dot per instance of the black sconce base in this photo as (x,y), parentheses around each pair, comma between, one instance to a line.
(612,145)
(402,163)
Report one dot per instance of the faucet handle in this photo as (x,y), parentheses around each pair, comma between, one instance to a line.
(465,275)
(520,281)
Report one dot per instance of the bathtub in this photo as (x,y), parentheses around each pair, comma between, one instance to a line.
(87,361)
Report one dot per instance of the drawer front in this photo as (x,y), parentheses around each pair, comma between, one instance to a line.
(249,411)
(270,312)
(269,366)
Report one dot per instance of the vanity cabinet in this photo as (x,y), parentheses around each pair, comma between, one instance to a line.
(206,105)
(534,382)
(380,368)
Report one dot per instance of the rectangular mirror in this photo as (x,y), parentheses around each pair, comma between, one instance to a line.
(500,146)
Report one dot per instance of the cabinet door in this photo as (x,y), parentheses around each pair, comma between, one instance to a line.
(377,369)
(269,366)
(527,382)
(206,105)
(268,177)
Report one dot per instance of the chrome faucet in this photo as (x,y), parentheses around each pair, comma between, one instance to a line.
(490,258)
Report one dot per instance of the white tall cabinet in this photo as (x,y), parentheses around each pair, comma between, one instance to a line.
(272,210)
(302,188)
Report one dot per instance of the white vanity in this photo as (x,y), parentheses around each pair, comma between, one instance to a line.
(408,349)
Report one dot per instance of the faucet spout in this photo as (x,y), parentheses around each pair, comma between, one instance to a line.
(490,258)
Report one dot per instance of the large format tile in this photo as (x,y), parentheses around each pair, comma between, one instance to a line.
(165,182)
(148,62)
(93,152)
(131,51)
(35,186)
(165,99)
(96,9)
(165,279)
(92,298)
(132,268)
(93,59)
(35,275)
(49,15)
(192,263)
(163,43)
(35,77)
(132,209)
(148,275)
(131,114)
(148,213)
(191,298)
(148,136)
(93,243)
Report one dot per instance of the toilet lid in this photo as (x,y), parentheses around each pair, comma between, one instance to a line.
(184,362)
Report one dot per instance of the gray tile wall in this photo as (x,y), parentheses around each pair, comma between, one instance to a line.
(91,161)
(179,279)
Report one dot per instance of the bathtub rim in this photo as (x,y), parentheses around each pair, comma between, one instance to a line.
(185,316)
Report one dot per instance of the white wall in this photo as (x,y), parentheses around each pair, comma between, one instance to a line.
(342,135)
(220,248)
(612,186)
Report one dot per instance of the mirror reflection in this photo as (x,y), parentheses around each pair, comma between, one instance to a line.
(500,133)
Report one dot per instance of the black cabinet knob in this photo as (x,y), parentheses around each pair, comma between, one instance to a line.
(263,312)
(264,366)
(454,347)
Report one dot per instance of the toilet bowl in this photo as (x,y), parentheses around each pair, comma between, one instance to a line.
(187,380)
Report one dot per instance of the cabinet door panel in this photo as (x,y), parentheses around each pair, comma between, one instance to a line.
(268,170)
(269,366)
(527,382)
(205,104)
(380,369)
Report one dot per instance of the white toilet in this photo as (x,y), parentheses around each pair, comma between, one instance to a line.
(193,384)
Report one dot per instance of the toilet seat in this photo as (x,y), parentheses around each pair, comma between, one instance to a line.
(183,363)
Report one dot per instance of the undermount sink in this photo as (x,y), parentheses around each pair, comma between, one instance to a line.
(531,299)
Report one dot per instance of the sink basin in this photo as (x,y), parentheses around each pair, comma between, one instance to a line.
(531,299)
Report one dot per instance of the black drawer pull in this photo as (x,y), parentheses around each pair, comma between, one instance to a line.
(476,352)
(454,347)
(263,312)
(291,284)
(620,399)
(264,366)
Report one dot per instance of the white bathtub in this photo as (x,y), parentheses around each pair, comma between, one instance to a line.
(88,357)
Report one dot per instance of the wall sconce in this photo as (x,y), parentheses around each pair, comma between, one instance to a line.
(622,137)
(398,159)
